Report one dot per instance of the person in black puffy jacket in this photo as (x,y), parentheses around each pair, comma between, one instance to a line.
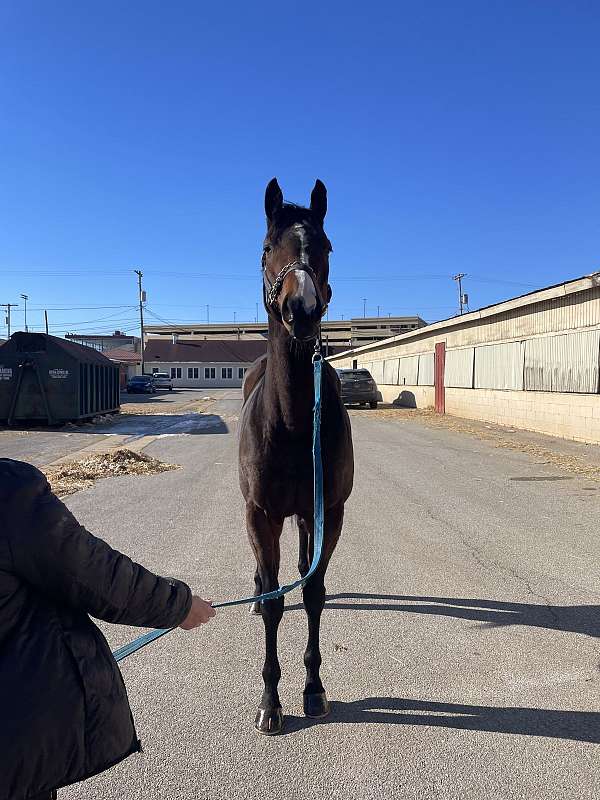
(64,712)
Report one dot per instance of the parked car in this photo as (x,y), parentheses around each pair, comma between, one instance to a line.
(163,381)
(141,383)
(358,386)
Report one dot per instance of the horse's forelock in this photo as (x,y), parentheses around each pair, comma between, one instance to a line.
(292,214)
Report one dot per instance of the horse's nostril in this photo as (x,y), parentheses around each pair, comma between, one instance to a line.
(286,312)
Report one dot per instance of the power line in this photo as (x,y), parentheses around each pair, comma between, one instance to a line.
(253,275)
(76,308)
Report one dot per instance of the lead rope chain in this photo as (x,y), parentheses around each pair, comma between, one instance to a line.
(151,636)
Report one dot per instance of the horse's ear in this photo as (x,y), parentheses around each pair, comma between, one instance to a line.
(318,200)
(273,199)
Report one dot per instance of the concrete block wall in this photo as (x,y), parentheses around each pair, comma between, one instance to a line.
(572,416)
(569,415)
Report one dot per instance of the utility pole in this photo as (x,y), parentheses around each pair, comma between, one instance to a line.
(46,318)
(459,278)
(364,307)
(26,298)
(142,298)
(8,307)
(378,307)
(234,317)
(207,314)
(256,318)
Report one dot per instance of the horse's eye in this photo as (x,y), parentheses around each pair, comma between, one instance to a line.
(267,248)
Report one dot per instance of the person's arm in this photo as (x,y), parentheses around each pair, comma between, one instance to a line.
(59,557)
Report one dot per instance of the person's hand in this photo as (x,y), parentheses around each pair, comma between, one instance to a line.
(200,612)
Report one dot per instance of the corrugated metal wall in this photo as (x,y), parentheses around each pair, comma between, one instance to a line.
(377,371)
(499,366)
(426,373)
(390,370)
(459,368)
(408,370)
(564,363)
(567,363)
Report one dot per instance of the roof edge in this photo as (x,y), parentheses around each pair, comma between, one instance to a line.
(548,293)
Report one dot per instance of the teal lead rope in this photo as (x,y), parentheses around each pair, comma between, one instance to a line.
(151,636)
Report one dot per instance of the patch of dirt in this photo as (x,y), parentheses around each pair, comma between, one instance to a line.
(73,476)
(496,435)
(151,409)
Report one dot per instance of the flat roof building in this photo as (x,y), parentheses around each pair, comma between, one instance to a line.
(337,335)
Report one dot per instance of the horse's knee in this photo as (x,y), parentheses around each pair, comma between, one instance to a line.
(313,595)
(303,566)
(272,611)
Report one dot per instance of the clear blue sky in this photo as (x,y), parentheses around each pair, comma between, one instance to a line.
(452,136)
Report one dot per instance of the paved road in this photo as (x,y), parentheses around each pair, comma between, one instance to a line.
(41,445)
(460,639)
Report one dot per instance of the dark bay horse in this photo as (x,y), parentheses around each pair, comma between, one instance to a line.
(275,451)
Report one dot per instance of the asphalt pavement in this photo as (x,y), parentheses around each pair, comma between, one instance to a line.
(460,637)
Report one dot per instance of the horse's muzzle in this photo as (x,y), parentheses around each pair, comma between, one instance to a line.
(302,320)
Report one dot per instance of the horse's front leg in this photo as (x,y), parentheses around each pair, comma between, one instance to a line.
(315,698)
(264,533)
(256,607)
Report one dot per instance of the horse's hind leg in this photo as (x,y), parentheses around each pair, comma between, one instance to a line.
(315,698)
(264,536)
(303,547)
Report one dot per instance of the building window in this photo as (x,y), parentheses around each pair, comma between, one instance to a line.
(154,370)
(190,372)
(172,372)
(176,372)
(193,372)
(226,372)
(241,372)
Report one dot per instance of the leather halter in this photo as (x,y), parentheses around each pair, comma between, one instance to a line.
(271,291)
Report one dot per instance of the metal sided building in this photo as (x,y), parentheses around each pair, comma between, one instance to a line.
(44,378)
(531,362)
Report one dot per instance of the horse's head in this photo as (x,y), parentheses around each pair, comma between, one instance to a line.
(295,262)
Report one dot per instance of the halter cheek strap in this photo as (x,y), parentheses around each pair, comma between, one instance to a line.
(271,291)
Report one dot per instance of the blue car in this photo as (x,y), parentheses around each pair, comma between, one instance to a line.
(141,383)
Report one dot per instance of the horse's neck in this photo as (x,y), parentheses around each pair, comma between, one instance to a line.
(288,382)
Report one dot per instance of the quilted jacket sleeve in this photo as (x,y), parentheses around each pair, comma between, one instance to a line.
(59,557)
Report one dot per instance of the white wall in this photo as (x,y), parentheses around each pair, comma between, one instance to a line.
(200,382)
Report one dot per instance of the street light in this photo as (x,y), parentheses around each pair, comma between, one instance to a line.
(26,298)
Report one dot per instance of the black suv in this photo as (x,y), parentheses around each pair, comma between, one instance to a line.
(141,383)
(358,386)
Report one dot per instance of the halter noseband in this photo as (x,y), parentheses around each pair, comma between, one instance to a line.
(274,289)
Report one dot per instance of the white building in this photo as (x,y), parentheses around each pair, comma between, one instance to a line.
(203,364)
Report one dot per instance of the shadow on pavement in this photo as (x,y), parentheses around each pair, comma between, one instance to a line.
(580,726)
(492,613)
(158,424)
(130,424)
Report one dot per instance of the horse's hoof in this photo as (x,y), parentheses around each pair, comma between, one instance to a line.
(316,705)
(256,609)
(269,721)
